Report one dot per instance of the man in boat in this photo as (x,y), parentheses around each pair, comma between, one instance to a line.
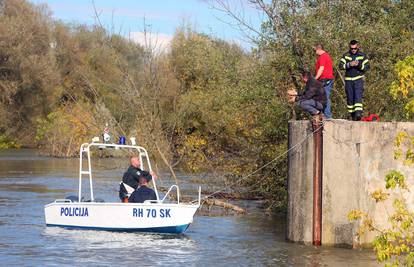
(130,179)
(143,192)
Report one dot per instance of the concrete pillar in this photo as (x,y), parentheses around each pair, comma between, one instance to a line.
(356,158)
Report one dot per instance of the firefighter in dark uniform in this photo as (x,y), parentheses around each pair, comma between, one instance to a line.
(355,63)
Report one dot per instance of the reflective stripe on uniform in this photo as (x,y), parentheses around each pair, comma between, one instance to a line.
(349,58)
(358,107)
(354,78)
(359,58)
(350,108)
(343,60)
(363,64)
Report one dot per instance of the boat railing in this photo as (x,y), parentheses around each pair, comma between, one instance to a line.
(168,192)
(86,149)
(143,156)
(151,202)
(63,200)
(199,195)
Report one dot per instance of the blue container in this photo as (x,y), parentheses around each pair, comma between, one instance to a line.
(122,140)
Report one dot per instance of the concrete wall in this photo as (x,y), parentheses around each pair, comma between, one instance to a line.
(356,158)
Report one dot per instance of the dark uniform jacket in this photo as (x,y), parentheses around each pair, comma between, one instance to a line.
(131,178)
(141,194)
(313,90)
(353,73)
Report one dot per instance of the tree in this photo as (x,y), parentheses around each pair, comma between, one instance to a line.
(28,72)
(291,28)
(403,87)
(229,120)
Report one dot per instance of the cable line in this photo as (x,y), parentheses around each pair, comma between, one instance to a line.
(262,167)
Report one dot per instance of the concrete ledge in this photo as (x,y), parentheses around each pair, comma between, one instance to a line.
(356,158)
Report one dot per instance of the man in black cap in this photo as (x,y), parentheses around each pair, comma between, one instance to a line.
(130,179)
(143,192)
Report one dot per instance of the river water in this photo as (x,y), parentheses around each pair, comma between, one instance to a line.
(29,181)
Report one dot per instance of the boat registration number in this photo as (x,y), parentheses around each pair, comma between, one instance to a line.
(151,213)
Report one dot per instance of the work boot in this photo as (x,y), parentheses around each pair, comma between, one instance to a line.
(352,116)
(358,116)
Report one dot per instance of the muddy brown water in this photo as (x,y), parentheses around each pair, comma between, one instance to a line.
(29,181)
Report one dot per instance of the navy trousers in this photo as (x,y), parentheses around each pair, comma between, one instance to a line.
(354,95)
(311,106)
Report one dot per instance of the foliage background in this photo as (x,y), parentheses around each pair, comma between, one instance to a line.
(205,105)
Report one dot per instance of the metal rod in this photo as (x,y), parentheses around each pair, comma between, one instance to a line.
(80,173)
(145,153)
(317,182)
(90,172)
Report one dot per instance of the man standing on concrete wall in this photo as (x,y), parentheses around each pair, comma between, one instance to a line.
(355,63)
(324,74)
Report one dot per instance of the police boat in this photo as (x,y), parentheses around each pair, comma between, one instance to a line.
(151,216)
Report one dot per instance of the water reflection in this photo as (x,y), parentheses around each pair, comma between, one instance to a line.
(124,247)
(251,240)
(120,240)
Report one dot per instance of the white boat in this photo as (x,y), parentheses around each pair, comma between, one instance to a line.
(150,216)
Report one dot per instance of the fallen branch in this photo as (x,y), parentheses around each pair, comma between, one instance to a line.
(233,196)
(223,204)
(208,201)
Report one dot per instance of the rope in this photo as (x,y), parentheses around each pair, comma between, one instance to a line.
(267,164)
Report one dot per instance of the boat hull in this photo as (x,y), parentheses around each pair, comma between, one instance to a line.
(123,217)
